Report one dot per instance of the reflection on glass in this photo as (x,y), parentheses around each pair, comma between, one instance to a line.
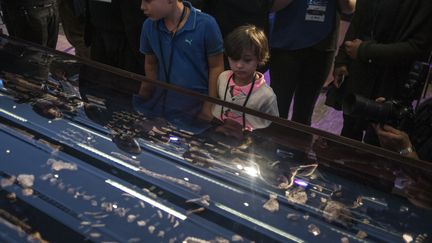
(277,183)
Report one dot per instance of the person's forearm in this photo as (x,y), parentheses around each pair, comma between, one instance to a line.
(150,68)
(347,6)
(216,67)
(213,75)
(393,54)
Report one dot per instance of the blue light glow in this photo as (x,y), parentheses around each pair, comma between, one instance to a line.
(301,182)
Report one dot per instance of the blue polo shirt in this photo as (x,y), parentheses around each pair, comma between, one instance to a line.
(303,24)
(198,39)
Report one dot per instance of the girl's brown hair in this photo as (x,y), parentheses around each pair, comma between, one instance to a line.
(247,37)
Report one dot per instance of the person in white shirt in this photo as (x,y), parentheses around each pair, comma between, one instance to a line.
(247,49)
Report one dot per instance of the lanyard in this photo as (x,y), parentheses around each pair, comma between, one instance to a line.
(246,101)
(167,68)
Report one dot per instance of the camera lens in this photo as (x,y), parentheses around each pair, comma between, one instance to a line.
(358,106)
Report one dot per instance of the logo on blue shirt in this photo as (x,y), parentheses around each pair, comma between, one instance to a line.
(189,41)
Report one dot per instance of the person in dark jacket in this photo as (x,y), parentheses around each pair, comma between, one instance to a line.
(383,40)
(113,32)
(32,20)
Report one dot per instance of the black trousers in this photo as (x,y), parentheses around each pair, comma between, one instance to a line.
(112,48)
(38,24)
(300,73)
(73,27)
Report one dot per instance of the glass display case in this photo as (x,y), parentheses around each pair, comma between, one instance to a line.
(83,158)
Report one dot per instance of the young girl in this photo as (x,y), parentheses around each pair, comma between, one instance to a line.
(246,48)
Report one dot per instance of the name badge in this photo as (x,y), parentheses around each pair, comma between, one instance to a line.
(316,10)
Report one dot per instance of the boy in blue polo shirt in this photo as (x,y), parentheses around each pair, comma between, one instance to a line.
(182,46)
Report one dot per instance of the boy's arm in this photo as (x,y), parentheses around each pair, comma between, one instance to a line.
(151,68)
(216,67)
(213,47)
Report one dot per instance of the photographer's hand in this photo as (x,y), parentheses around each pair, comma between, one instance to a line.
(339,75)
(395,140)
(351,48)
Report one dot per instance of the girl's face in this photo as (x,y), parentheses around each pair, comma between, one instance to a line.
(245,67)
(157,9)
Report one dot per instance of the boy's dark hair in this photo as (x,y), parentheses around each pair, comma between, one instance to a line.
(247,37)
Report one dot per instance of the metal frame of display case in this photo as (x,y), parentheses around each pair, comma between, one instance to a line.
(108,169)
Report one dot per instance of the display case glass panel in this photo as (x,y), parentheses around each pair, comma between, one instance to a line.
(83,157)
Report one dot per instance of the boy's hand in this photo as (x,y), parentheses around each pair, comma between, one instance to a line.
(206,112)
(231,128)
(146,91)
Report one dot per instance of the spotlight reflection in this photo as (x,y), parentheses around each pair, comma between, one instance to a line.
(252,171)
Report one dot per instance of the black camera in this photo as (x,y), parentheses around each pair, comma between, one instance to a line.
(397,113)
